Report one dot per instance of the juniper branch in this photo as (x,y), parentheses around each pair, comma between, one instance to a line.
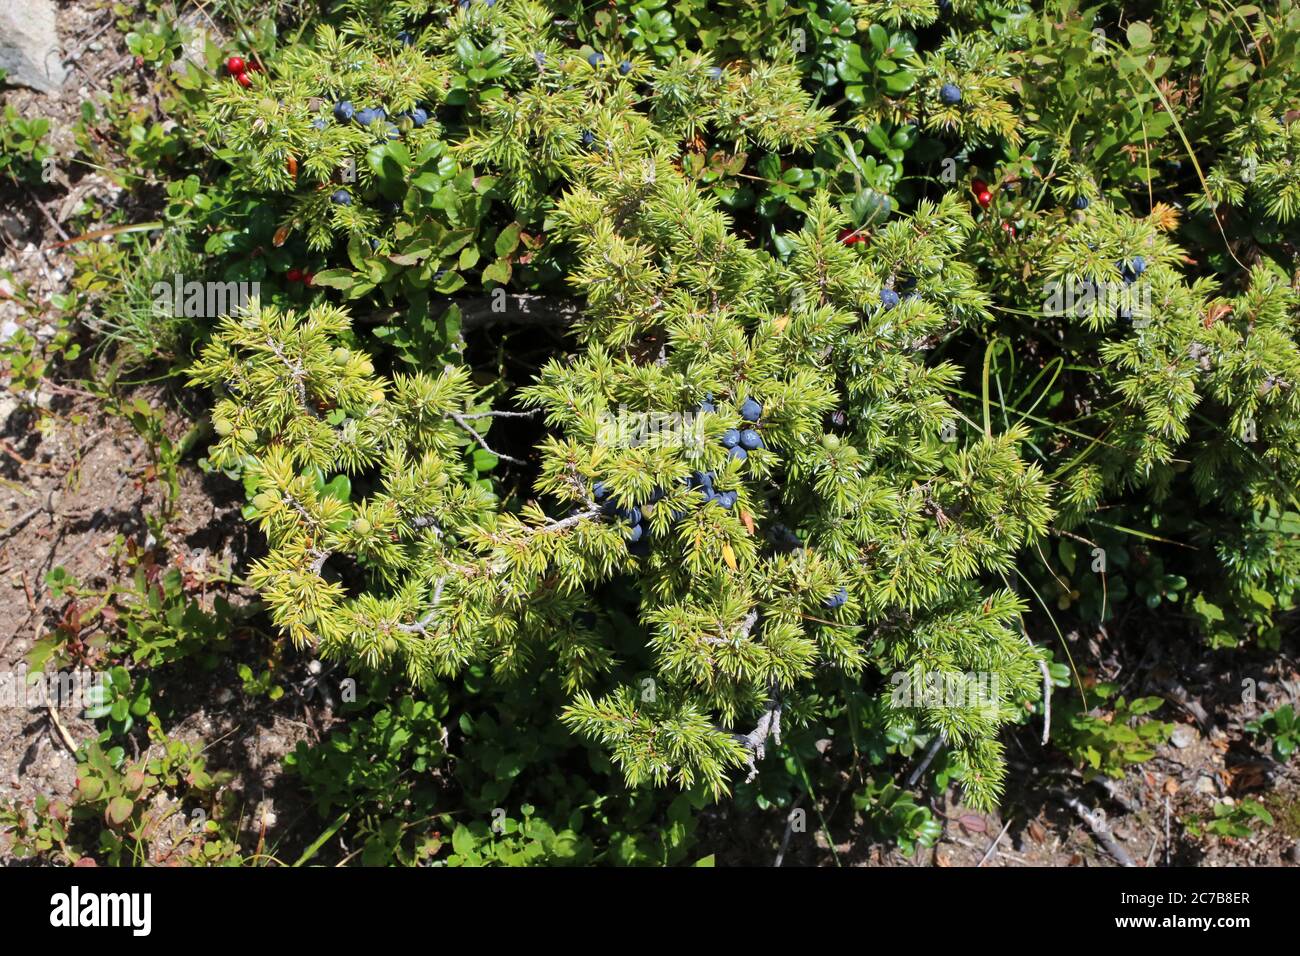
(459,419)
(754,742)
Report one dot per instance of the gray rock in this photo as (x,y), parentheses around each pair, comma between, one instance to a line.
(29,45)
(1183,736)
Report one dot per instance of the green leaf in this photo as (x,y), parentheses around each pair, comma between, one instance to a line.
(333,279)
(498,272)
(462,841)
(507,240)
(339,487)
(1139,35)
(118,811)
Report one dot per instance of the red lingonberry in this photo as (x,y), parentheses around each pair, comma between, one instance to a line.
(851,236)
(293,275)
(235,65)
(1009,229)
(978,186)
(243,80)
(308,278)
(254,66)
(985,198)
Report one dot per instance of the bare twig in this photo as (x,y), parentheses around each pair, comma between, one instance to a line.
(422,625)
(61,732)
(769,725)
(930,754)
(501,414)
(20,523)
(1096,823)
(742,632)
(460,420)
(299,376)
(562,524)
(48,217)
(789,829)
(994,845)
(1047,691)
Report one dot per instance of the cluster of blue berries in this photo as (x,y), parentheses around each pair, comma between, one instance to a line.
(739,442)
(345,112)
(634,517)
(702,481)
(1130,271)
